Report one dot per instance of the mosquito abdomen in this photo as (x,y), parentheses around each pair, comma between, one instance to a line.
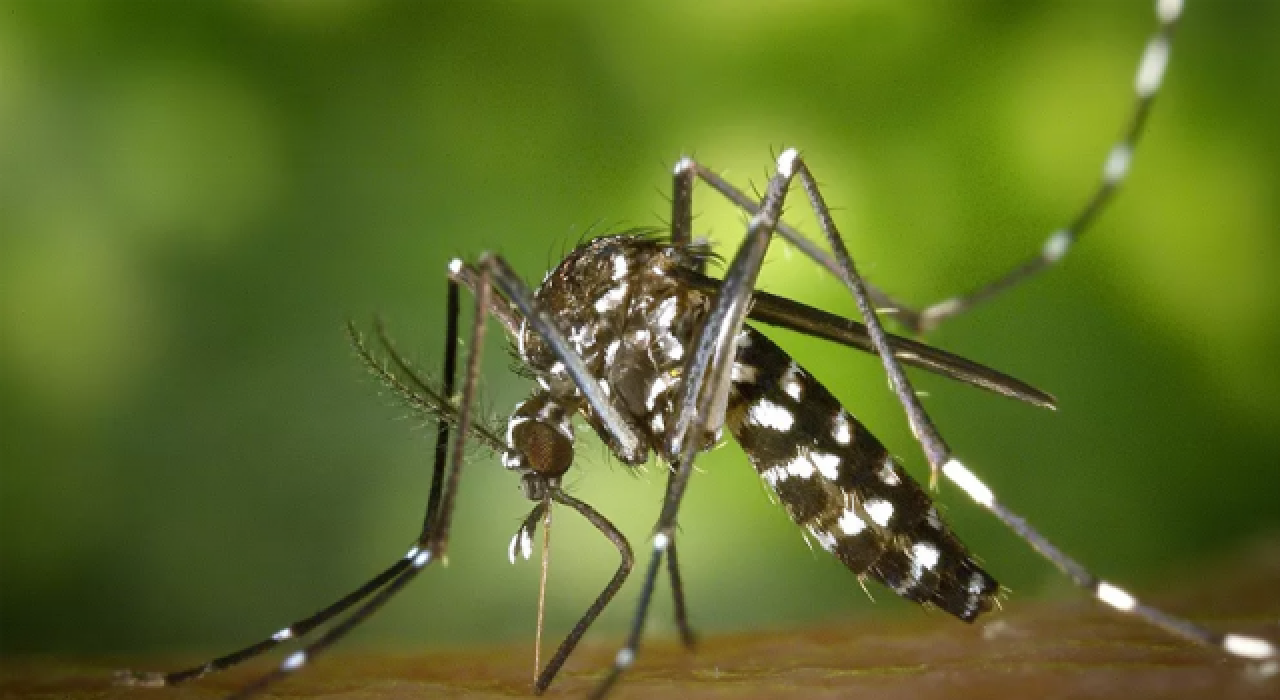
(841,484)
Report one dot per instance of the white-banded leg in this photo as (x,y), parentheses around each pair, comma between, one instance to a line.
(380,588)
(295,630)
(704,390)
(303,627)
(683,176)
(1146,85)
(942,460)
(434,542)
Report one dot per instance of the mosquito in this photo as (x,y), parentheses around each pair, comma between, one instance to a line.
(631,336)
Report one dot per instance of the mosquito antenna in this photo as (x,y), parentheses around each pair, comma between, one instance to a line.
(542,591)
(417,392)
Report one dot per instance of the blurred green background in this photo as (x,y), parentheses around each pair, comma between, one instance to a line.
(194,197)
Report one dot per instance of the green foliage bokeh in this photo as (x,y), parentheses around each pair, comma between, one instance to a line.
(194,197)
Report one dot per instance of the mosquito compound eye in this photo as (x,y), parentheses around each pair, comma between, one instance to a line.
(547,450)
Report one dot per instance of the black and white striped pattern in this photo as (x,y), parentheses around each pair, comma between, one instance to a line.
(839,483)
(1147,82)
(1239,645)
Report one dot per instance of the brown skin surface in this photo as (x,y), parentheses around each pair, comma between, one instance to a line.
(1065,649)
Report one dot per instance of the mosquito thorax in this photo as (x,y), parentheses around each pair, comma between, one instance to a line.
(621,305)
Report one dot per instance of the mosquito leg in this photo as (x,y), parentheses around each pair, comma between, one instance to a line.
(297,629)
(936,449)
(714,345)
(298,659)
(501,309)
(1147,82)
(432,544)
(682,203)
(677,593)
(438,537)
(704,390)
(610,590)
(792,235)
(941,460)
(441,398)
(681,234)
(452,308)
(306,625)
(752,207)
(626,656)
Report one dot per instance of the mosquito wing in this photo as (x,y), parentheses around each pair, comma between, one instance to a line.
(792,315)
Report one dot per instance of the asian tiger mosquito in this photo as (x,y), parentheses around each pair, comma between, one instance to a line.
(630,332)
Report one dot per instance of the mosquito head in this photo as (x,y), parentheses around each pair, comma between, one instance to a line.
(539,441)
(546,451)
